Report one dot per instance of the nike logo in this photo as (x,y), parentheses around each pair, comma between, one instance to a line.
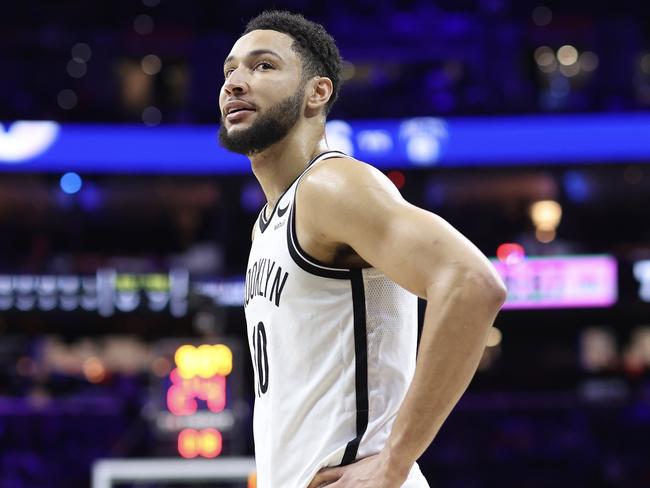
(282,211)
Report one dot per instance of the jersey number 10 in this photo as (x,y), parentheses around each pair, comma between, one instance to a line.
(260,359)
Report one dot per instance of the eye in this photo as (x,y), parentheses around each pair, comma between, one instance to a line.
(227,72)
(263,66)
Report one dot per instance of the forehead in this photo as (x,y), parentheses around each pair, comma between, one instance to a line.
(275,41)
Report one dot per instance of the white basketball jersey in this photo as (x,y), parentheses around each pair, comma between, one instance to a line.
(333,352)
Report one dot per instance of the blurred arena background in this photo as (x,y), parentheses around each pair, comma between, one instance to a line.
(124,228)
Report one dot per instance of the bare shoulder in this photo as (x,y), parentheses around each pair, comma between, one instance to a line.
(343,197)
(342,181)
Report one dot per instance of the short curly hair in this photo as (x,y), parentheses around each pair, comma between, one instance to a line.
(315,46)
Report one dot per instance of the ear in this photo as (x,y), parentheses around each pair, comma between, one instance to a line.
(319,91)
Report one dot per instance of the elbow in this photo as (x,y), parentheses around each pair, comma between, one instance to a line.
(500,294)
(480,286)
(487,287)
(498,291)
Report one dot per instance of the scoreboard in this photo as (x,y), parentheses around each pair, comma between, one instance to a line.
(200,408)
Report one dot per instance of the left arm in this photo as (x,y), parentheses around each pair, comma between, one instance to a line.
(359,206)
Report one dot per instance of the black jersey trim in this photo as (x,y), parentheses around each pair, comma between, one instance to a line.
(303,260)
(299,255)
(361,364)
(263,221)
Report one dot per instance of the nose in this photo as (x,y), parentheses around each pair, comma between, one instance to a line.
(235,83)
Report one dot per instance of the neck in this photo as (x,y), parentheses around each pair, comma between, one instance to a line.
(279,165)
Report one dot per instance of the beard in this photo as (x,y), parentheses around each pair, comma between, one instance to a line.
(270,127)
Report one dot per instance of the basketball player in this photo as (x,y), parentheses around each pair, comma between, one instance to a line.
(337,261)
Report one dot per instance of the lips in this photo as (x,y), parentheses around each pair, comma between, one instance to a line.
(237,115)
(237,109)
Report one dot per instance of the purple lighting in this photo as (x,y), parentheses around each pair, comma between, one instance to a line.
(560,282)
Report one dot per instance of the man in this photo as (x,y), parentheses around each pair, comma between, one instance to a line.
(336,262)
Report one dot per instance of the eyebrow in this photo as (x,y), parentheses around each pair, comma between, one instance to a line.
(256,52)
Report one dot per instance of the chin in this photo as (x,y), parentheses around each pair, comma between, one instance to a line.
(235,127)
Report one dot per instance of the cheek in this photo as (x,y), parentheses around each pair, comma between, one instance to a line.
(222,97)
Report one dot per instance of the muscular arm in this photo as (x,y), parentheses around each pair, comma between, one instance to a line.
(348,202)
